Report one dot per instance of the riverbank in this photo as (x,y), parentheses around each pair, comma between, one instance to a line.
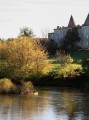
(77,82)
(7,86)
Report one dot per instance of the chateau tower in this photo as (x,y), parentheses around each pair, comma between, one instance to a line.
(59,33)
(71,22)
(87,21)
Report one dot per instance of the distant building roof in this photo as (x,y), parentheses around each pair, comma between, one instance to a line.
(71,22)
(60,28)
(86,21)
(50,33)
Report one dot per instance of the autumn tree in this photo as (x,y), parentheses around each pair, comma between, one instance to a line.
(26,58)
(2,50)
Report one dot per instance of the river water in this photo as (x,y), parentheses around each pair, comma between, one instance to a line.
(50,104)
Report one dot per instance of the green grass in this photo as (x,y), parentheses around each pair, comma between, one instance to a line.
(79,55)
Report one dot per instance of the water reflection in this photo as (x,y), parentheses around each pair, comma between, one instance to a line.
(51,104)
(72,104)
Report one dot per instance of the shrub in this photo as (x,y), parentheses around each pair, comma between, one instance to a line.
(85,65)
(69,70)
(6,86)
(25,58)
(63,58)
(26,86)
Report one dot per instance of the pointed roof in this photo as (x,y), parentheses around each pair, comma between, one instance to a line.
(71,22)
(87,21)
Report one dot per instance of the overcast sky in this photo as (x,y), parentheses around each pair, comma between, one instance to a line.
(39,15)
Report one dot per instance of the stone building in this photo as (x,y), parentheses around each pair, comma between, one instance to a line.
(60,32)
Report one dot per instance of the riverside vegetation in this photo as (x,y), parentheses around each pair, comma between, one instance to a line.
(26,61)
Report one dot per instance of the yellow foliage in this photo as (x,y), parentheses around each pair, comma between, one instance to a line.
(6,85)
(26,56)
(63,58)
(2,50)
(69,70)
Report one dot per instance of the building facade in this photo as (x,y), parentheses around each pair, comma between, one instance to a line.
(60,32)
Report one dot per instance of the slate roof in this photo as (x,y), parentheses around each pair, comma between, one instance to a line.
(71,22)
(86,21)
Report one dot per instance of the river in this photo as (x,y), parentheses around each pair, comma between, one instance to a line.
(50,104)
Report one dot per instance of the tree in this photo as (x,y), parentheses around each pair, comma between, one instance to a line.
(2,50)
(25,31)
(45,32)
(26,58)
(52,47)
(85,65)
(66,66)
(71,39)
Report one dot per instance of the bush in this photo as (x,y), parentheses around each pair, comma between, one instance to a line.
(69,70)
(27,86)
(63,58)
(25,58)
(6,86)
(85,65)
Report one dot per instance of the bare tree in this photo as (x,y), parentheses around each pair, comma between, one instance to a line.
(45,32)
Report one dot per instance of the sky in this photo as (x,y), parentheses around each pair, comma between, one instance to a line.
(39,15)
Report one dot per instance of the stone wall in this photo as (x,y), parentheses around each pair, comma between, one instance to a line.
(60,33)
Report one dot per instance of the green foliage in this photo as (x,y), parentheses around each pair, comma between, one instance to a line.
(69,70)
(85,65)
(25,31)
(71,38)
(4,70)
(79,55)
(2,50)
(63,66)
(63,58)
(52,46)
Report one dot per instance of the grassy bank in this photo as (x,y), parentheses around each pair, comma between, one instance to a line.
(79,55)
(63,75)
